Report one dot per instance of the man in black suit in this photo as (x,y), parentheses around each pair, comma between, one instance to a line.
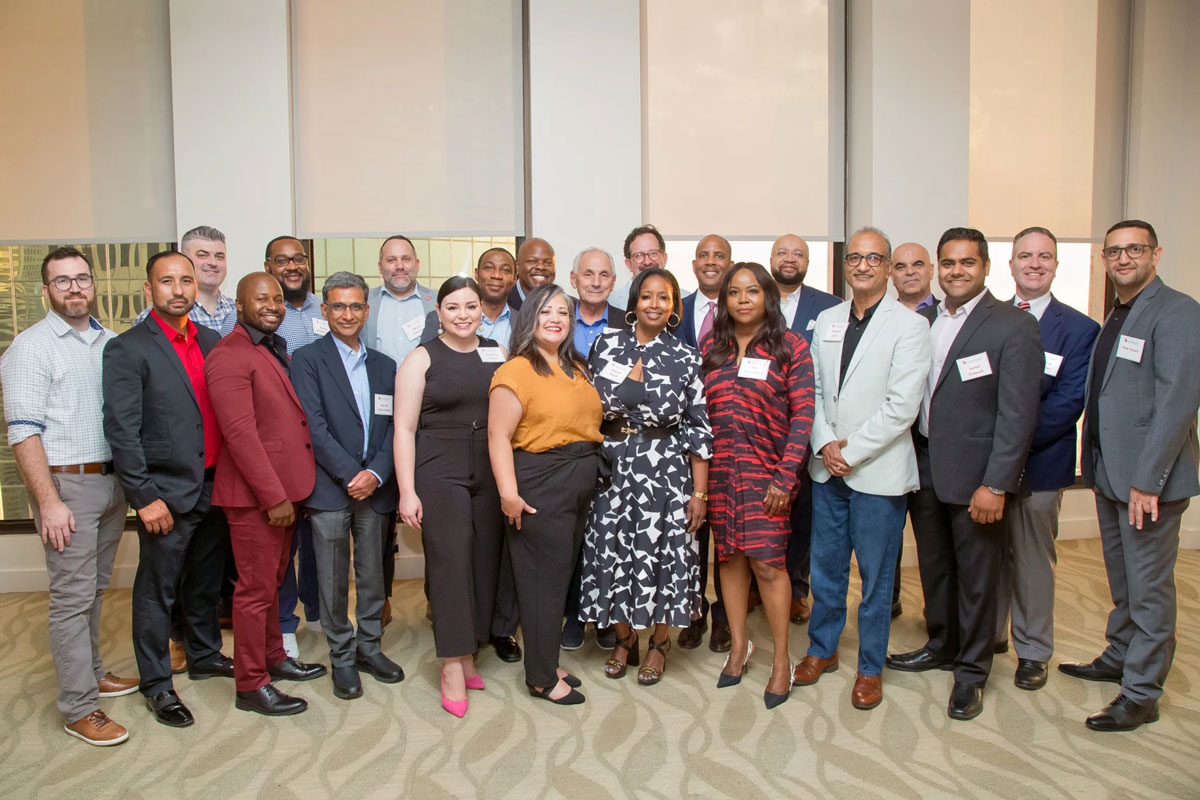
(346,391)
(165,439)
(976,424)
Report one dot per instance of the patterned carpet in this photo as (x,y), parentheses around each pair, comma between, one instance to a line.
(682,738)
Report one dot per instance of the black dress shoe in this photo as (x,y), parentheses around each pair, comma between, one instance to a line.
(1123,714)
(167,709)
(720,640)
(293,669)
(897,609)
(507,648)
(1091,671)
(269,701)
(606,638)
(966,702)
(382,668)
(220,667)
(691,636)
(346,683)
(1030,674)
(918,661)
(1000,648)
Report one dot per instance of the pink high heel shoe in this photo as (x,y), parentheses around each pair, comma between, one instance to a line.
(475,682)
(456,707)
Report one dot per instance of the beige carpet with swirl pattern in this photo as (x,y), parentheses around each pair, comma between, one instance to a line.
(682,738)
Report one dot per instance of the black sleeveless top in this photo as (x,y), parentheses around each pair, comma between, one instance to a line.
(456,388)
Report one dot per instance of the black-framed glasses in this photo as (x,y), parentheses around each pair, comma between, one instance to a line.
(872,259)
(63,282)
(649,255)
(338,308)
(282,261)
(1134,251)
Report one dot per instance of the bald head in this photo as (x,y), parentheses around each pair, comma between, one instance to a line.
(712,261)
(789,261)
(912,273)
(260,302)
(535,264)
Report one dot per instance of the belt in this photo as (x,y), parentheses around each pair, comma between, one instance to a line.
(94,468)
(620,428)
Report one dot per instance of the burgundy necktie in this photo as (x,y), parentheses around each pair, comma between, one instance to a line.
(706,323)
(1024,306)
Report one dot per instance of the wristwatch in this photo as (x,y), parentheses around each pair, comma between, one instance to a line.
(994,490)
(700,496)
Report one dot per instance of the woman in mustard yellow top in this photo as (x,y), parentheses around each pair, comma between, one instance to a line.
(544,443)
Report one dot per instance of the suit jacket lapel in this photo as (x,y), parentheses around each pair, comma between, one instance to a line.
(878,321)
(982,311)
(1135,313)
(154,331)
(332,359)
(1050,322)
(261,352)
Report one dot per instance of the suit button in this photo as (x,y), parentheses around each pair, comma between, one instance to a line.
(199,426)
(304,423)
(200,455)
(308,447)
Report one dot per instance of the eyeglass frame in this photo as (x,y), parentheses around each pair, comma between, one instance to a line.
(78,280)
(854,259)
(300,260)
(1113,253)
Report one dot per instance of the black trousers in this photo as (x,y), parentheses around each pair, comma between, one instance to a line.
(389,553)
(461,531)
(559,483)
(506,613)
(800,544)
(185,567)
(703,537)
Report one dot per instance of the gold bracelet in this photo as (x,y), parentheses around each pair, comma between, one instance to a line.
(700,496)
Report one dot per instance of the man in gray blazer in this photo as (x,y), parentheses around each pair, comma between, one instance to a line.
(1139,455)
(976,424)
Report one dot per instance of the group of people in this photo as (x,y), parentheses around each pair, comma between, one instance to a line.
(566,460)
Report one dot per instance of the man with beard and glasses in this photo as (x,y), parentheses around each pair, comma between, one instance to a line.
(400,306)
(535,267)
(51,375)
(644,248)
(302,324)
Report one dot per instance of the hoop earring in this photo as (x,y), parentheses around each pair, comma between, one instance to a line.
(674,324)
(628,321)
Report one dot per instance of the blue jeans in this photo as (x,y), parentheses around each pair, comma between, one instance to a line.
(872,526)
(307,592)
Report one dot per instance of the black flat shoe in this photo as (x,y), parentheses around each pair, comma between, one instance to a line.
(571,698)
(507,649)
(293,669)
(571,680)
(269,701)
(1030,675)
(966,702)
(606,638)
(379,666)
(1123,714)
(918,661)
(346,683)
(220,667)
(167,709)
(1091,671)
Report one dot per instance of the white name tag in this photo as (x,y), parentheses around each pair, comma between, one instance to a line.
(320,326)
(615,371)
(754,368)
(1053,362)
(812,323)
(490,355)
(1130,349)
(412,329)
(610,330)
(383,404)
(836,332)
(972,367)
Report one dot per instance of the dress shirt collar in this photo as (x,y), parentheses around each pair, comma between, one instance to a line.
(61,327)
(349,355)
(187,333)
(1037,306)
(963,310)
(927,302)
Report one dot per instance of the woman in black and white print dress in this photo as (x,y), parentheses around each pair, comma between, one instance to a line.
(640,557)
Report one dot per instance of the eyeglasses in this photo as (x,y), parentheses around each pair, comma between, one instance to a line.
(63,282)
(649,255)
(338,308)
(1134,251)
(282,261)
(872,259)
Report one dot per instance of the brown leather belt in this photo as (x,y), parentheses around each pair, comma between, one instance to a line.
(95,468)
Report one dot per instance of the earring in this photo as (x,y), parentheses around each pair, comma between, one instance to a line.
(674,324)
(628,321)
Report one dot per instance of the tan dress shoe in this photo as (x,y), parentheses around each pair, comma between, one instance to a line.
(96,728)
(867,692)
(178,657)
(800,611)
(810,670)
(112,686)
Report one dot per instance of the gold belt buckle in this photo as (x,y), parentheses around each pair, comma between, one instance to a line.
(628,431)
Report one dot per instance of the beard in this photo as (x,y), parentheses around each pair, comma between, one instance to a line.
(297,296)
(786,280)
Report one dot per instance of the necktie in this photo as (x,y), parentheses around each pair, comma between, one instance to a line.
(1024,306)
(707,323)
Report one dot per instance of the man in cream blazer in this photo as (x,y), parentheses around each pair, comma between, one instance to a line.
(871,359)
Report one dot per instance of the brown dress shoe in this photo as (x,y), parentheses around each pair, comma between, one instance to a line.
(96,728)
(867,692)
(178,657)
(112,686)
(810,670)
(386,617)
(800,611)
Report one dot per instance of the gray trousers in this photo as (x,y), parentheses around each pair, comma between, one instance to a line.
(1026,581)
(331,534)
(78,577)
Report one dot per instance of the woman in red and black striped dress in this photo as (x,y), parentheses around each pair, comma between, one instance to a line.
(758,380)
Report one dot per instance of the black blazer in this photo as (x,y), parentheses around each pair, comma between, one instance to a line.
(320,381)
(980,429)
(151,418)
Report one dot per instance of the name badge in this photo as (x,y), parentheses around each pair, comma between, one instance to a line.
(413,328)
(383,404)
(972,367)
(1053,362)
(610,330)
(615,371)
(836,332)
(754,368)
(812,323)
(320,326)
(490,355)
(1130,349)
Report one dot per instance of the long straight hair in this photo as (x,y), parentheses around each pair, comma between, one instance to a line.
(522,334)
(770,335)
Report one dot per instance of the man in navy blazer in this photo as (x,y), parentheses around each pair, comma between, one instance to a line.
(800,305)
(1026,580)
(346,391)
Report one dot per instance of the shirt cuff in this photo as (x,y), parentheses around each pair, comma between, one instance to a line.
(376,474)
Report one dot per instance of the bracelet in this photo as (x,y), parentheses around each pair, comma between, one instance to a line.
(700,496)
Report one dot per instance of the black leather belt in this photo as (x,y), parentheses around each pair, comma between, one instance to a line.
(618,429)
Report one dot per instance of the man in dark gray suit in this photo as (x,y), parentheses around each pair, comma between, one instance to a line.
(1139,456)
(974,430)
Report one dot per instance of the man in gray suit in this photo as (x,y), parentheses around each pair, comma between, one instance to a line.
(1140,457)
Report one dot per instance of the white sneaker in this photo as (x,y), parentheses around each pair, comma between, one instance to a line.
(290,648)
(314,626)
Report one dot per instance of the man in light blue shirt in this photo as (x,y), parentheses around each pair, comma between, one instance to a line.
(593,278)
(399,306)
(496,274)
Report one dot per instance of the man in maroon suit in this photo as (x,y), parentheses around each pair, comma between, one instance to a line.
(265,467)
